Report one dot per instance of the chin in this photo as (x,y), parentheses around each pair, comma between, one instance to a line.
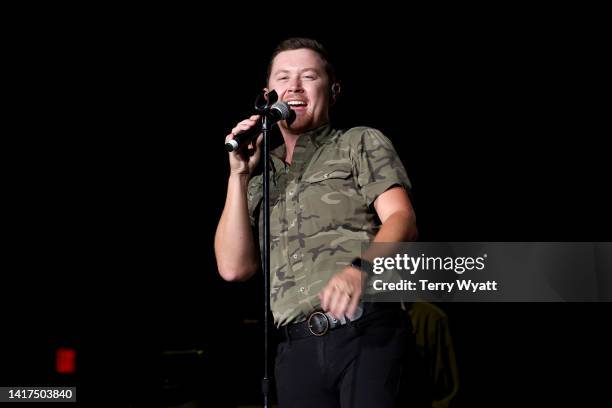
(300,126)
(304,124)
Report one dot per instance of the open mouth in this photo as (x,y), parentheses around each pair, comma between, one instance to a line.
(297,105)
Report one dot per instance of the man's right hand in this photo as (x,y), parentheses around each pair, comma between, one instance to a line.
(244,160)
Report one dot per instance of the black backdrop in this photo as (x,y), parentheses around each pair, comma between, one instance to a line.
(116,177)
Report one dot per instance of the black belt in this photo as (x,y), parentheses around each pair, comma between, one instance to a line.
(320,323)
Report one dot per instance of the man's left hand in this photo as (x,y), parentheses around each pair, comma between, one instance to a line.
(342,294)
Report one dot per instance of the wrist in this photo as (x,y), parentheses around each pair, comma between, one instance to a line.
(362,264)
(239,175)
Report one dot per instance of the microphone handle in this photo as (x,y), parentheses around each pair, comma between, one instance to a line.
(243,138)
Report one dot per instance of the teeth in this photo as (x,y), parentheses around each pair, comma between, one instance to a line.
(296,103)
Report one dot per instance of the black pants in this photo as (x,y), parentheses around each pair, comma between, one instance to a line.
(366,364)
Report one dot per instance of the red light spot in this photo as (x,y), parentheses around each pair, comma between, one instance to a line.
(65,360)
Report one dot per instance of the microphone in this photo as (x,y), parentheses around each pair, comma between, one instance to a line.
(279,111)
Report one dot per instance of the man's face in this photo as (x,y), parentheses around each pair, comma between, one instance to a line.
(299,78)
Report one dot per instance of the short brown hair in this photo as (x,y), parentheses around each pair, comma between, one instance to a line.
(296,43)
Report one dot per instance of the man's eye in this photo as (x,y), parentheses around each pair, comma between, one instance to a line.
(283,78)
(308,76)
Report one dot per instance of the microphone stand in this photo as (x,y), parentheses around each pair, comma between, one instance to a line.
(263,109)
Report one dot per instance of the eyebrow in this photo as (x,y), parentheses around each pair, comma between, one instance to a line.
(286,71)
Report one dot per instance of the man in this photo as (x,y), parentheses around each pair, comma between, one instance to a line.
(330,191)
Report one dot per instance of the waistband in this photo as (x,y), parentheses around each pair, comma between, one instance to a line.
(319,323)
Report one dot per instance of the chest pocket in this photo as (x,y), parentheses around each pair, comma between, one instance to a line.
(327,174)
(329,198)
(328,182)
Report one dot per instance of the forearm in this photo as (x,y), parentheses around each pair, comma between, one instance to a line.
(235,249)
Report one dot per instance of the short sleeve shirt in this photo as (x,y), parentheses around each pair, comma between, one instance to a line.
(321,210)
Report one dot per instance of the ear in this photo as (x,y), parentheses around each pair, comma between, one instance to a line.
(335,92)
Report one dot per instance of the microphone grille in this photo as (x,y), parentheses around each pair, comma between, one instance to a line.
(283,109)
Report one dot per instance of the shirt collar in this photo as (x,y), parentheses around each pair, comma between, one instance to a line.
(317,136)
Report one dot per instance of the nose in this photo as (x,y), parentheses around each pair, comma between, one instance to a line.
(295,85)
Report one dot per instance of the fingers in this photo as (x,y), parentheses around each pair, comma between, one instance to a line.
(242,127)
(245,125)
(328,295)
(342,294)
(338,301)
(258,142)
(352,306)
(325,296)
(243,160)
(339,304)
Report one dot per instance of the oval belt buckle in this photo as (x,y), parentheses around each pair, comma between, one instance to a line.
(310,325)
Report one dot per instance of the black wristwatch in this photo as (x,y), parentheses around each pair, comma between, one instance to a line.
(362,265)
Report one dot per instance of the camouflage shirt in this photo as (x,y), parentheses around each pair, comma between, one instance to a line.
(321,210)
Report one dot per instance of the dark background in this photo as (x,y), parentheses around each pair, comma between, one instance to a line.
(115,178)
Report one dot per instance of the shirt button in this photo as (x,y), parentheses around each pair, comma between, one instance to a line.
(302,289)
(291,193)
(295,256)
